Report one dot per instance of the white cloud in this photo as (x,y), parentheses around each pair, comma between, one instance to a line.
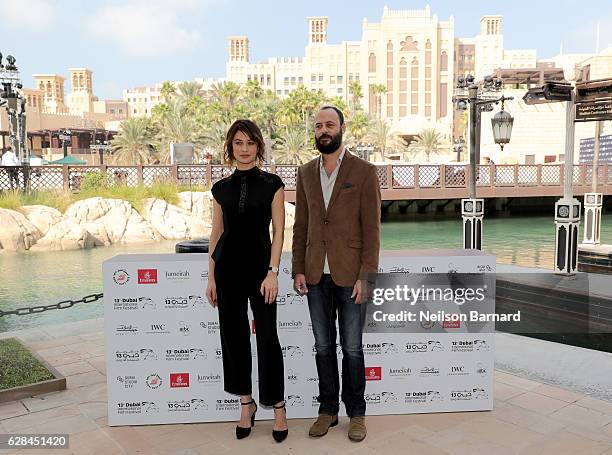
(148,29)
(32,15)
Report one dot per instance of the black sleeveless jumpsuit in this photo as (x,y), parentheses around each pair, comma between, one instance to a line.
(242,257)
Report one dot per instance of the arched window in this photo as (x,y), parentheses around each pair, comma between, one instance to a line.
(372,63)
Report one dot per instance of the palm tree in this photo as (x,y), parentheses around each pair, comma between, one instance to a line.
(133,145)
(177,125)
(383,139)
(356,95)
(226,94)
(190,89)
(429,141)
(167,91)
(359,126)
(378,90)
(292,147)
(252,90)
(214,139)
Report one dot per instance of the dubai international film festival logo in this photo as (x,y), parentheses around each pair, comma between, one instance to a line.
(147,276)
(121,277)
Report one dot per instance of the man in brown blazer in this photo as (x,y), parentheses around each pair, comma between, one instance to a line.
(336,242)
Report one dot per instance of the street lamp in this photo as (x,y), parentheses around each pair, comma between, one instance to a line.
(567,209)
(13,100)
(479,97)
(502,127)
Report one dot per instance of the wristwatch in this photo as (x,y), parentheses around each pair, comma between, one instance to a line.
(274,269)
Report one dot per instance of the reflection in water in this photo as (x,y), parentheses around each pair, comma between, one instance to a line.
(44,278)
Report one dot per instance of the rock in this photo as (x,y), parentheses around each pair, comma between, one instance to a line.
(17,233)
(173,222)
(198,203)
(41,216)
(111,221)
(65,235)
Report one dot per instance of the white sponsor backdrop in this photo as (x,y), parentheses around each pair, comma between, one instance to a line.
(163,350)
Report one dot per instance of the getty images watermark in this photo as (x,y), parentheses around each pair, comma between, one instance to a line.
(483,302)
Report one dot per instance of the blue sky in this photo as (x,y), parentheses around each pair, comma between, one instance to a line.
(138,42)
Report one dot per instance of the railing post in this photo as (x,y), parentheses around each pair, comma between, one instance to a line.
(468,175)
(209,175)
(442,173)
(273,168)
(417,179)
(516,175)
(539,175)
(174,172)
(389,176)
(140,174)
(492,174)
(66,177)
(561,175)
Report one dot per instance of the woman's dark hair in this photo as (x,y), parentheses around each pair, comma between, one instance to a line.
(253,132)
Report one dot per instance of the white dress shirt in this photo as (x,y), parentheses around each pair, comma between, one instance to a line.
(327,186)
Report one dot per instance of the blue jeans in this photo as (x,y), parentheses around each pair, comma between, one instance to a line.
(325,300)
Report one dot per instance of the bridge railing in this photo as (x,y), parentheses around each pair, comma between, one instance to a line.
(391,176)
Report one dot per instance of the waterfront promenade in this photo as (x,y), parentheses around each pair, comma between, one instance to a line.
(531,416)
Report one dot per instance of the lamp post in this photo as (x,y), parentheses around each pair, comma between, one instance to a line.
(567,209)
(458,147)
(13,100)
(479,97)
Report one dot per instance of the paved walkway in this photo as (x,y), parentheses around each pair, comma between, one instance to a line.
(529,417)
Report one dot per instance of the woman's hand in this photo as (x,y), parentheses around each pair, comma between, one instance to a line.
(269,287)
(211,292)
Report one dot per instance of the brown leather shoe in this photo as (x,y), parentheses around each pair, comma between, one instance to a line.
(322,425)
(357,429)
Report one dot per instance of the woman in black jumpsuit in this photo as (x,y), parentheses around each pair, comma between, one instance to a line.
(245,267)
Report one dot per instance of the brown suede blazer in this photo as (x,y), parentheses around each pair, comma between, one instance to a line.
(349,230)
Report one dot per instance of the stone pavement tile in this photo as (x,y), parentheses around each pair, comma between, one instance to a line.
(85,379)
(598,405)
(35,418)
(129,440)
(563,443)
(73,368)
(91,393)
(607,430)
(380,427)
(99,363)
(595,434)
(442,420)
(60,355)
(94,410)
(516,381)
(185,437)
(47,401)
(54,342)
(92,352)
(149,431)
(27,335)
(491,431)
(558,393)
(401,442)
(12,409)
(504,392)
(576,415)
(525,418)
(70,425)
(94,442)
(537,403)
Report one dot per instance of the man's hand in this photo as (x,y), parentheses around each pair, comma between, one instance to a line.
(299,284)
(358,293)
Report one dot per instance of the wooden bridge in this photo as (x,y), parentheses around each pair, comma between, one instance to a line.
(397,181)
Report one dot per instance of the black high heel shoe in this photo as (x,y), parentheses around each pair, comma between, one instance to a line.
(280,435)
(242,432)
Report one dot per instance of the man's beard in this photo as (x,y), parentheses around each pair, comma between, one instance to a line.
(333,145)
